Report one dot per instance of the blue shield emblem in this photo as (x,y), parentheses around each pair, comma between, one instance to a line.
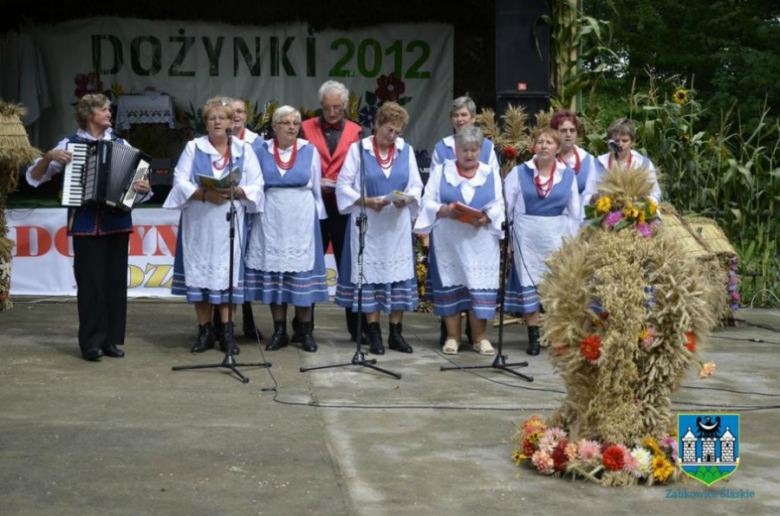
(708,445)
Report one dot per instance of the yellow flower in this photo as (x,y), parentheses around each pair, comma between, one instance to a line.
(650,442)
(662,468)
(117,90)
(630,212)
(641,219)
(653,206)
(603,205)
(681,96)
(643,334)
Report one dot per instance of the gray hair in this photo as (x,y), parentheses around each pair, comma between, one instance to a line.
(284,111)
(334,87)
(464,101)
(469,134)
(622,126)
(86,105)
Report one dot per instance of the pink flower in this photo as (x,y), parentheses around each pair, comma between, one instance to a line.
(631,464)
(644,229)
(671,443)
(613,218)
(735,296)
(707,370)
(649,339)
(556,433)
(571,452)
(547,443)
(543,462)
(588,450)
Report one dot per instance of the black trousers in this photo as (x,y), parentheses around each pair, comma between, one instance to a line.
(335,229)
(100,267)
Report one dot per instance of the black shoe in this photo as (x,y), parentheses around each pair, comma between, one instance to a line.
(375,345)
(251,330)
(306,337)
(227,338)
(396,341)
(92,354)
(533,341)
(280,338)
(205,339)
(113,351)
(296,326)
(216,324)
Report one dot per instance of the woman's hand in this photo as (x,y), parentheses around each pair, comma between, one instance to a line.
(59,155)
(142,186)
(403,203)
(237,191)
(484,220)
(213,196)
(447,212)
(375,203)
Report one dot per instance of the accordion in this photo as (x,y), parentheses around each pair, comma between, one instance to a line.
(103,172)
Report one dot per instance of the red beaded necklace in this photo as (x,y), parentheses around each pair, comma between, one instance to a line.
(462,173)
(543,189)
(577,163)
(243,133)
(278,157)
(628,161)
(384,162)
(223,159)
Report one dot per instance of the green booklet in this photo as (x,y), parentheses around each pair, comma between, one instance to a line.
(209,181)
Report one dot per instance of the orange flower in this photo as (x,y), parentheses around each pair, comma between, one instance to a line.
(706,370)
(590,347)
(690,345)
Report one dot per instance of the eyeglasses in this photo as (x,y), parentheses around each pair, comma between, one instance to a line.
(288,123)
(389,131)
(332,109)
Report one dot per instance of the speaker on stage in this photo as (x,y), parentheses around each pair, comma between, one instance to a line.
(522,55)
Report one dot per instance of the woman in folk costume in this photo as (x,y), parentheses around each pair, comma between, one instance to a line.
(464,260)
(203,247)
(544,205)
(622,135)
(576,158)
(240,132)
(389,278)
(463,113)
(285,260)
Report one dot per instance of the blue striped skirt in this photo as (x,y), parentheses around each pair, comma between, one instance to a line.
(386,297)
(196,295)
(295,288)
(520,299)
(456,299)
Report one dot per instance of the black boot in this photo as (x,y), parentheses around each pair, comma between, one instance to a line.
(216,323)
(205,339)
(306,337)
(296,327)
(280,338)
(375,345)
(396,341)
(228,339)
(251,329)
(352,327)
(533,341)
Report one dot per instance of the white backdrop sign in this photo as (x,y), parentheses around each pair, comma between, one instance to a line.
(42,263)
(193,61)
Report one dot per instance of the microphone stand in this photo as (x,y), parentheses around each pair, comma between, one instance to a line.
(229,361)
(500,362)
(359,359)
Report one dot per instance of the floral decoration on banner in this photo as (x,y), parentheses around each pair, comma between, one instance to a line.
(363,109)
(550,452)
(615,215)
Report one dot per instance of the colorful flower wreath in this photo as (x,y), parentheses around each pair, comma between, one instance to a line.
(610,214)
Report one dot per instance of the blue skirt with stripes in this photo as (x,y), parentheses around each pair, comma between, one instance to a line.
(520,299)
(386,297)
(295,288)
(197,295)
(454,300)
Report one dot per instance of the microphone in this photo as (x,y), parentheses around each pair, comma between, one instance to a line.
(614,146)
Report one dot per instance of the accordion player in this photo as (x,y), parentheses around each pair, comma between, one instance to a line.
(103,172)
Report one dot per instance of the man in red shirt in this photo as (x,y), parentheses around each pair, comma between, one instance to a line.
(332,134)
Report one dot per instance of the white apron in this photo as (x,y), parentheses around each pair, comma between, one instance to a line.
(282,239)
(206,245)
(535,238)
(466,255)
(388,257)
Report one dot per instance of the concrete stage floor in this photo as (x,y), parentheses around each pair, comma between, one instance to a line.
(131,437)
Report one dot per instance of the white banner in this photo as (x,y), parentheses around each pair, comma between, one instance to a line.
(193,61)
(42,263)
